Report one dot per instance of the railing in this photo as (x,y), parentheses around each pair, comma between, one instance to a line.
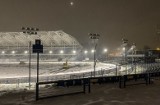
(140,68)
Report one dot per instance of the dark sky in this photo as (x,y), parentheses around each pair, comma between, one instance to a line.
(135,20)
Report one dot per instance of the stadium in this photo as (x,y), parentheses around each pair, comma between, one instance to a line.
(15,45)
(62,58)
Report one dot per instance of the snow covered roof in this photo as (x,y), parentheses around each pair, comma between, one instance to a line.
(48,38)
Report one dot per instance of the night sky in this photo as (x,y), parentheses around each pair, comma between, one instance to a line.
(135,20)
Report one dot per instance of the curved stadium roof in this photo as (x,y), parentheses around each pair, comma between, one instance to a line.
(48,38)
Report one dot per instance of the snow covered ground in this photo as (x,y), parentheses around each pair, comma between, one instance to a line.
(16,70)
(14,75)
(49,71)
(105,94)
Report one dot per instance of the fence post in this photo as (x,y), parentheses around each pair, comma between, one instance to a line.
(116,70)
(84,86)
(37,91)
(124,79)
(101,72)
(120,80)
(89,86)
(18,83)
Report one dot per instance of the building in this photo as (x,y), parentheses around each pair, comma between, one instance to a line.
(58,45)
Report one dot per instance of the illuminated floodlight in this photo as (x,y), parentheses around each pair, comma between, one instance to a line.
(85,51)
(25,52)
(13,52)
(50,52)
(61,51)
(92,51)
(74,51)
(3,52)
(158,48)
(72,3)
(123,48)
(105,50)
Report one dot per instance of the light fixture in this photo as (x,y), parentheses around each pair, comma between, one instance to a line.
(123,48)
(3,52)
(74,51)
(25,52)
(85,51)
(50,52)
(92,51)
(61,51)
(105,50)
(13,52)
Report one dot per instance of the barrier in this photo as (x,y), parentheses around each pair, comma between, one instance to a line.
(66,84)
(134,79)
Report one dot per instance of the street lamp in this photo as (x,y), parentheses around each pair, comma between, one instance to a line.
(30,31)
(95,38)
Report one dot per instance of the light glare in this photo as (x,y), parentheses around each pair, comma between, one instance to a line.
(61,51)
(92,51)
(74,51)
(13,52)
(123,49)
(105,50)
(25,52)
(50,52)
(3,52)
(85,51)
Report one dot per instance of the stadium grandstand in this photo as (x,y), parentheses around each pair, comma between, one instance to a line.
(57,45)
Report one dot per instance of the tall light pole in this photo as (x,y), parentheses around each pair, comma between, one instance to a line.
(30,31)
(95,38)
(133,48)
(125,42)
(106,54)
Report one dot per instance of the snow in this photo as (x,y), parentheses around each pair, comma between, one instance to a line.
(18,92)
(105,94)
(19,73)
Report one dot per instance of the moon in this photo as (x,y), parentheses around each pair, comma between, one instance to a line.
(71,3)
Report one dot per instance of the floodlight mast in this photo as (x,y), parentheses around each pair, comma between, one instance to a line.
(30,31)
(133,49)
(125,42)
(95,38)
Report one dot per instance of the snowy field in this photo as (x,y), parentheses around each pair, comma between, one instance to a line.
(14,75)
(16,70)
(106,94)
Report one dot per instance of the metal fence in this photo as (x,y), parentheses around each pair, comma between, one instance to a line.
(128,69)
